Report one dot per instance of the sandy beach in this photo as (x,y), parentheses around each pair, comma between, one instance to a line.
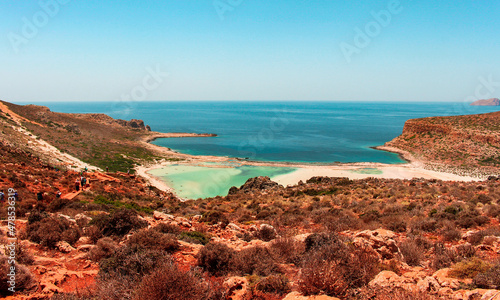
(412,169)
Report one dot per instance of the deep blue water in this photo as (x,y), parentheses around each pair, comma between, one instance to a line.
(278,131)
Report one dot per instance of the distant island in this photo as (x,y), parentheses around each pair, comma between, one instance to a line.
(487,102)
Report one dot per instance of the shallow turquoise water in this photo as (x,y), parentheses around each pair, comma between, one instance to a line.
(193,182)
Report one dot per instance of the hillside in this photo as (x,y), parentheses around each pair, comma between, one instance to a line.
(487,102)
(78,140)
(464,144)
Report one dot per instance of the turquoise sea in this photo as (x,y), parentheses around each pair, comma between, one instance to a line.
(310,132)
(314,132)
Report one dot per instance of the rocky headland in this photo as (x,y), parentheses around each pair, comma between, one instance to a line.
(487,102)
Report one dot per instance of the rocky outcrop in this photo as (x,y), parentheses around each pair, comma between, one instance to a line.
(260,183)
(134,124)
(487,102)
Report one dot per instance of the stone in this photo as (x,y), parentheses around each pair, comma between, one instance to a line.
(428,284)
(385,279)
(236,287)
(157,215)
(64,247)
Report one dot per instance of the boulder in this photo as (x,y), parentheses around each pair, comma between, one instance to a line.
(428,284)
(236,287)
(157,215)
(64,247)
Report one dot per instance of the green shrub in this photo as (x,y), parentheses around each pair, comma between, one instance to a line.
(194,237)
(469,268)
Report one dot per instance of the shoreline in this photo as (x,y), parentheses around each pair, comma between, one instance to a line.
(413,168)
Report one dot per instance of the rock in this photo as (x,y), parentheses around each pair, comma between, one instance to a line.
(84,248)
(234,227)
(385,279)
(428,284)
(162,216)
(82,219)
(84,240)
(299,296)
(260,183)
(444,280)
(64,247)
(491,295)
(236,287)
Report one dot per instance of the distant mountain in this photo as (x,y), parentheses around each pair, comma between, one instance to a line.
(487,102)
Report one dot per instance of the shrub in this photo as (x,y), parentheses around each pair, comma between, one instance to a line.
(443,257)
(119,223)
(24,280)
(93,233)
(131,263)
(104,248)
(412,252)
(489,279)
(57,204)
(214,217)
(287,250)
(338,275)
(23,256)
(254,261)
(476,238)
(469,268)
(451,234)
(167,228)
(154,240)
(48,231)
(216,258)
(274,284)
(266,233)
(170,283)
(194,237)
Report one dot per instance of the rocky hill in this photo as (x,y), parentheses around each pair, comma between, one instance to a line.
(469,144)
(487,102)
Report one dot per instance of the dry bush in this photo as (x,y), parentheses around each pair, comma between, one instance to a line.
(48,231)
(119,223)
(131,263)
(23,255)
(167,228)
(104,248)
(489,279)
(265,233)
(254,261)
(287,250)
(412,252)
(334,267)
(216,258)
(274,284)
(170,283)
(24,280)
(154,240)
(93,233)
(443,257)
(451,234)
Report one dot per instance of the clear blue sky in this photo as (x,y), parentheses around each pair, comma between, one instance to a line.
(259,50)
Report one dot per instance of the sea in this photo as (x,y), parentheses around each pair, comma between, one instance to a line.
(314,132)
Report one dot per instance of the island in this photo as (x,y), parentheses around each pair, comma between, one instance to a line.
(486,102)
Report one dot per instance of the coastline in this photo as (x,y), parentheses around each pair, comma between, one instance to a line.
(413,168)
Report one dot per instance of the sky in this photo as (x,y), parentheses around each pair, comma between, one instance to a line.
(337,50)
